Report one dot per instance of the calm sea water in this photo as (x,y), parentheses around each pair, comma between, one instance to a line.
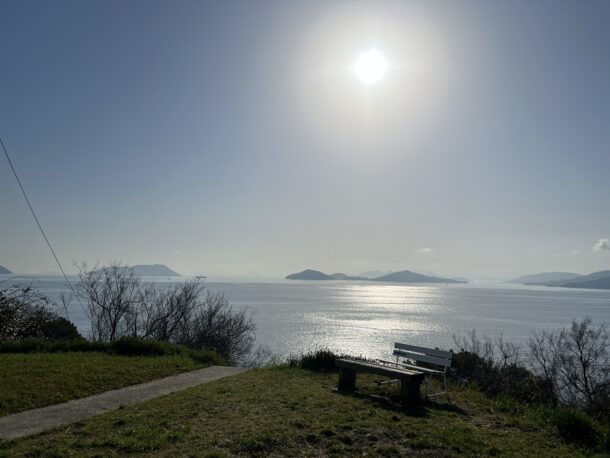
(366,318)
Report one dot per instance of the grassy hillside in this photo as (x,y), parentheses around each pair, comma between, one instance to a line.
(288,411)
(40,379)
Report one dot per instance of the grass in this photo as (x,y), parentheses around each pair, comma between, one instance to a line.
(39,379)
(287,411)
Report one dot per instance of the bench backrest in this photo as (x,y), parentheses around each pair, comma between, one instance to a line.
(422,354)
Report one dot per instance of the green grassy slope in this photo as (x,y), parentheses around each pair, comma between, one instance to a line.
(288,412)
(39,379)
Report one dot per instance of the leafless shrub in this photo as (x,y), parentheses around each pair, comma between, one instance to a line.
(570,366)
(496,352)
(120,304)
(165,314)
(111,295)
(495,367)
(507,353)
(576,361)
(216,326)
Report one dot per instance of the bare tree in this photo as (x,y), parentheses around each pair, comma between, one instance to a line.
(472,343)
(120,304)
(110,294)
(576,361)
(166,315)
(215,325)
(508,353)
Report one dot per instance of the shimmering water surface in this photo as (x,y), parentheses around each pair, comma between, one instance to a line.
(366,318)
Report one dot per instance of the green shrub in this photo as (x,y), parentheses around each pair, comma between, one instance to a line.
(605,440)
(322,360)
(495,380)
(126,346)
(575,427)
(25,313)
(131,346)
(46,346)
(207,357)
(59,329)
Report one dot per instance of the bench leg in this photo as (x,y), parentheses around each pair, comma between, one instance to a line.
(409,392)
(347,379)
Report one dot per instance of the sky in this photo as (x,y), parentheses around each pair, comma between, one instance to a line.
(234,140)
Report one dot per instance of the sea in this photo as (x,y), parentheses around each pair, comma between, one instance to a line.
(366,318)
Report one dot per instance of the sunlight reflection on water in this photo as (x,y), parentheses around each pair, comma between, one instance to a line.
(366,318)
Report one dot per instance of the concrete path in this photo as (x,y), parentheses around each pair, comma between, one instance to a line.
(37,420)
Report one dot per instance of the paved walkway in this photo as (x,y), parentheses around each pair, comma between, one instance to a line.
(37,420)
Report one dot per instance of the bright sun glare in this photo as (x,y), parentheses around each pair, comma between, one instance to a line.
(370,67)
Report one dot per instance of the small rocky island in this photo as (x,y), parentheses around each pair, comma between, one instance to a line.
(154,270)
(151,270)
(404,276)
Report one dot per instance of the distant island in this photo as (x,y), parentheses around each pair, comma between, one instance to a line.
(599,283)
(596,280)
(5,271)
(544,277)
(152,270)
(309,274)
(404,276)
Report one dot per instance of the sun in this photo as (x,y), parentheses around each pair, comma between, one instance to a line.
(370,67)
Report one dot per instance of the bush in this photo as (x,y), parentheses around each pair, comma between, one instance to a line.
(576,363)
(496,380)
(46,346)
(59,329)
(25,313)
(126,346)
(322,360)
(494,366)
(605,440)
(131,346)
(575,427)
(570,373)
(214,325)
(121,305)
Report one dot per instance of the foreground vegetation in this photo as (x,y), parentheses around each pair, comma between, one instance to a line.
(288,411)
(120,304)
(36,380)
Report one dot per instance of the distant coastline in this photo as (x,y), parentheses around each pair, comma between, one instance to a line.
(5,271)
(595,280)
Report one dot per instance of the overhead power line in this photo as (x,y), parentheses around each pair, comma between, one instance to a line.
(46,239)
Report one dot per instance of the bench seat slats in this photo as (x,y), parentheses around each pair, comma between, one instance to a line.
(411,366)
(423,358)
(378,369)
(423,369)
(423,350)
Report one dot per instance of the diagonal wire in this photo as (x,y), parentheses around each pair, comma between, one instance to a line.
(46,239)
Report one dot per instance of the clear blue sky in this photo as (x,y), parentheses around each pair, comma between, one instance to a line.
(232,138)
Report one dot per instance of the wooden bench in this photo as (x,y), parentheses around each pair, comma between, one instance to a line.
(410,380)
(412,355)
